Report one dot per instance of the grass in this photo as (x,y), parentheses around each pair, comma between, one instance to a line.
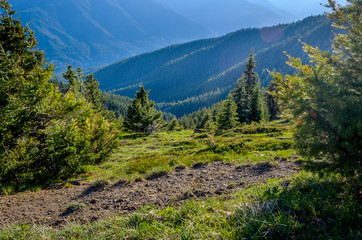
(75,206)
(305,206)
(141,156)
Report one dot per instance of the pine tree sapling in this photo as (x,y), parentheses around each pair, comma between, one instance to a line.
(141,115)
(228,116)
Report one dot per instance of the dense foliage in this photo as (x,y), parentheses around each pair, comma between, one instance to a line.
(324,97)
(203,118)
(44,135)
(247,94)
(141,115)
(227,118)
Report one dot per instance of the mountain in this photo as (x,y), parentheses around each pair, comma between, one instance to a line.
(98,32)
(303,8)
(185,77)
(224,16)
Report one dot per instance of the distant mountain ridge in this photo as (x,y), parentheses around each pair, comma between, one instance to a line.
(224,16)
(185,77)
(97,32)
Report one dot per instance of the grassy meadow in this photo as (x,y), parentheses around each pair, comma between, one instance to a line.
(304,206)
(143,155)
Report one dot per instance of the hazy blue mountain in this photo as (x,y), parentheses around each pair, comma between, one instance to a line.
(303,8)
(97,32)
(185,77)
(224,16)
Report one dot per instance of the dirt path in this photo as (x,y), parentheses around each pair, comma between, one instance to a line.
(49,207)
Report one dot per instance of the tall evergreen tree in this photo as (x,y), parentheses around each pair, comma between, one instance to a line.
(241,99)
(256,104)
(92,93)
(271,102)
(250,77)
(141,115)
(247,95)
(228,116)
(71,77)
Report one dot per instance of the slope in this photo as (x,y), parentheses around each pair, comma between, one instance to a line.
(231,15)
(98,32)
(185,77)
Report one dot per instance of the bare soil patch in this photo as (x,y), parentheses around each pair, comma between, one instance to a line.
(51,207)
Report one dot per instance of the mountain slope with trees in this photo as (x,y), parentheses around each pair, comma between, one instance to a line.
(188,76)
(99,32)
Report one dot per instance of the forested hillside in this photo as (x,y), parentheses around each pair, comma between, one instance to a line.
(99,32)
(185,77)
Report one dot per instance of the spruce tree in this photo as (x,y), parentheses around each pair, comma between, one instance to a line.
(256,104)
(228,116)
(141,115)
(71,77)
(241,99)
(271,102)
(244,95)
(92,93)
(250,77)
(174,125)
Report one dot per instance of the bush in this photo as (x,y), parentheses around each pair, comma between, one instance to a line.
(324,98)
(44,135)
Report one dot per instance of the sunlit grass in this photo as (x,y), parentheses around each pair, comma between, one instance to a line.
(304,206)
(141,155)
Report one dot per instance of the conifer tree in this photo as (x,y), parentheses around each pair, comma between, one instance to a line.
(71,77)
(141,115)
(250,77)
(24,81)
(324,97)
(241,99)
(44,136)
(256,104)
(247,95)
(92,93)
(271,102)
(228,116)
(174,125)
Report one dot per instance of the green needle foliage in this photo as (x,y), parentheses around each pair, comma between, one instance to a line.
(247,94)
(256,104)
(141,115)
(228,116)
(324,97)
(44,135)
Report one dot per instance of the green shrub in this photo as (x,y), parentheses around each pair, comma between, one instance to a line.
(142,165)
(324,98)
